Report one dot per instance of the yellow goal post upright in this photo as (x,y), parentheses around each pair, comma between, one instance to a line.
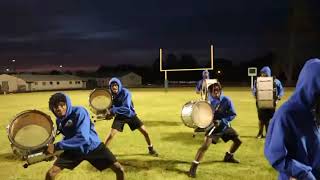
(166,82)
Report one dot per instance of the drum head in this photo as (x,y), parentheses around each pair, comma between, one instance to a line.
(202,114)
(100,99)
(30,130)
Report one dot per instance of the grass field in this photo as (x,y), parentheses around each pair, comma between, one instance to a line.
(160,112)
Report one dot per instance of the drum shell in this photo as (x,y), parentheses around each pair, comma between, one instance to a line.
(23,119)
(188,118)
(186,115)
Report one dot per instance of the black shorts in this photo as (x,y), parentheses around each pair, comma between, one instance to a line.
(226,135)
(133,122)
(265,115)
(101,158)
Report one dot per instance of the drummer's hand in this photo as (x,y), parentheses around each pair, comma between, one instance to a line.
(217,123)
(108,114)
(50,149)
(278,98)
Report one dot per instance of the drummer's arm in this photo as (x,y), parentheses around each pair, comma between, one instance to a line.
(279,89)
(254,89)
(81,136)
(198,87)
(231,113)
(50,148)
(125,107)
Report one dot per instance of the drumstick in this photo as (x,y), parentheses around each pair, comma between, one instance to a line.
(39,157)
(97,120)
(214,127)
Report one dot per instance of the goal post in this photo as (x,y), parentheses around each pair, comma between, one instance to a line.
(166,82)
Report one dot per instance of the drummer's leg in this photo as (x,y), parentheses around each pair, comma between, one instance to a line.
(117,126)
(67,160)
(53,172)
(110,136)
(136,123)
(272,111)
(260,123)
(204,147)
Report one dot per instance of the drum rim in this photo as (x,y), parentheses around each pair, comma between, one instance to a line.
(191,101)
(51,137)
(94,90)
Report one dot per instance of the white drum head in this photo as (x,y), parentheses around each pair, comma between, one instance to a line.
(202,114)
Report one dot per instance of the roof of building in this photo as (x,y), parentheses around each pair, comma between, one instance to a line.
(36,77)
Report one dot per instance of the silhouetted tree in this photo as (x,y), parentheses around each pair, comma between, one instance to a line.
(171,62)
(188,61)
(55,72)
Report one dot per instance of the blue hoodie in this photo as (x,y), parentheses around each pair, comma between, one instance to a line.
(121,102)
(279,88)
(223,110)
(78,130)
(199,83)
(293,140)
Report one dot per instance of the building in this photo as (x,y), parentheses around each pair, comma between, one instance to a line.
(32,82)
(131,79)
(128,79)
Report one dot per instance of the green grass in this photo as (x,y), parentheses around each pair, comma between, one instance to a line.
(160,112)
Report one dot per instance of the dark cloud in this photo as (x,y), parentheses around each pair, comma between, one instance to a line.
(110,32)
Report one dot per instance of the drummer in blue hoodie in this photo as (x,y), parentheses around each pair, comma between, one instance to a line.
(264,115)
(205,75)
(221,128)
(292,144)
(80,140)
(123,110)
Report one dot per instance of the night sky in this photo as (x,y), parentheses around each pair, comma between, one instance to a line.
(44,34)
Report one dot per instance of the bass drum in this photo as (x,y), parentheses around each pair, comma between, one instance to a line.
(30,132)
(266,93)
(197,114)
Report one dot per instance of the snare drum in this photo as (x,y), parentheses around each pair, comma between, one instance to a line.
(30,132)
(197,114)
(99,101)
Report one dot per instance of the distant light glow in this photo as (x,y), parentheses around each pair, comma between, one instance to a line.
(61,66)
(219,71)
(13,60)
(7,69)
